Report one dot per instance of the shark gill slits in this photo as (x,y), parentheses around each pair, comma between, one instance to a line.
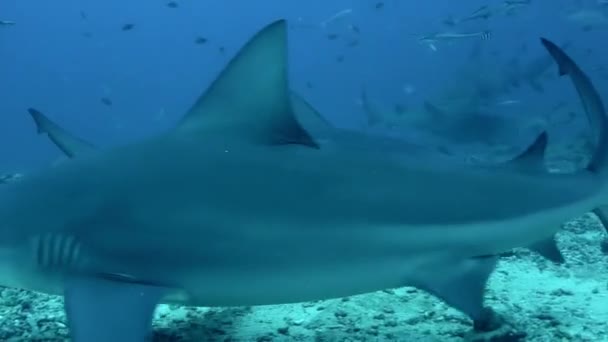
(53,251)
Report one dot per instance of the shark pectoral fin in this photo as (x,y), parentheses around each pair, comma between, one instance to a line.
(532,158)
(101,310)
(67,142)
(250,98)
(602,214)
(548,249)
(461,286)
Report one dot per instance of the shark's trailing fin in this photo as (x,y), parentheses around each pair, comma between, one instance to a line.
(250,97)
(100,310)
(548,249)
(310,118)
(68,143)
(461,286)
(602,215)
(592,103)
(533,157)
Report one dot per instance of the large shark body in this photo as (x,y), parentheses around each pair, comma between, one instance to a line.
(239,205)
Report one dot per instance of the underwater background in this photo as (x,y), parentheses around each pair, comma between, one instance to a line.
(469,78)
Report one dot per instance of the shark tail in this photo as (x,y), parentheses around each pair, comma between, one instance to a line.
(592,103)
(595,112)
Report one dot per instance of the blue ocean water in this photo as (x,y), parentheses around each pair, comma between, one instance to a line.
(116,72)
(63,57)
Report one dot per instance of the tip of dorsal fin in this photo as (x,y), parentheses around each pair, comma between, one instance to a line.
(250,97)
(533,157)
(68,143)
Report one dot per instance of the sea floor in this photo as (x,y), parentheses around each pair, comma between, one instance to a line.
(537,300)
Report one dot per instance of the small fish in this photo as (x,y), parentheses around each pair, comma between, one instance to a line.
(339,15)
(379,5)
(106,101)
(332,36)
(433,39)
(10,177)
(127,27)
(200,40)
(83,15)
(172,4)
(222,49)
(510,7)
(7,23)
(483,12)
(508,102)
(340,59)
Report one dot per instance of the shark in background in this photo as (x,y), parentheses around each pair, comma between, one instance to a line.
(454,126)
(223,209)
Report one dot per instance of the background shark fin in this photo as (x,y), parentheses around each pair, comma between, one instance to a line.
(533,157)
(602,215)
(371,112)
(460,285)
(310,118)
(548,249)
(592,103)
(250,97)
(100,310)
(68,143)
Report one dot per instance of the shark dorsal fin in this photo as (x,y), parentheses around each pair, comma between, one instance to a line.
(533,157)
(250,98)
(68,143)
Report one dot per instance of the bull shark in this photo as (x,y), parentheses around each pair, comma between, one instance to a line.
(239,205)
(327,135)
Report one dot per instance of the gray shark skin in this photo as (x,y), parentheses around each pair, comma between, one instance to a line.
(327,135)
(240,206)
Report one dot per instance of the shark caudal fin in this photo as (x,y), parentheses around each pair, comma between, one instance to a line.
(594,110)
(592,104)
